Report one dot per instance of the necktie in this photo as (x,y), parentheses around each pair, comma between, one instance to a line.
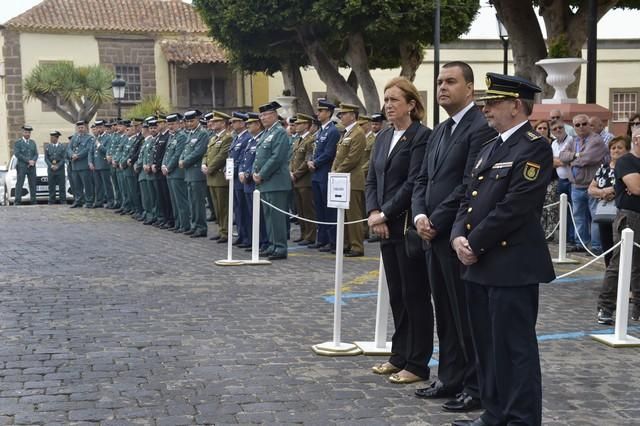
(496,145)
(445,137)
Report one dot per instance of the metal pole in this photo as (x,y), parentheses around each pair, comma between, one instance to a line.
(255,230)
(382,309)
(505,58)
(118,103)
(436,63)
(337,313)
(230,220)
(592,51)
(624,282)
(562,237)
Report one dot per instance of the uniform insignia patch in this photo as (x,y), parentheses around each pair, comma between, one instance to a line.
(533,136)
(531,171)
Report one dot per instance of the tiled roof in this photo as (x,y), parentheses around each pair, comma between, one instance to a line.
(193,51)
(121,16)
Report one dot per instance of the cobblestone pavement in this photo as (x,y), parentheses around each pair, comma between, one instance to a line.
(104,320)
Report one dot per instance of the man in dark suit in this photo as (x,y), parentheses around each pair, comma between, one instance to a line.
(440,186)
(498,237)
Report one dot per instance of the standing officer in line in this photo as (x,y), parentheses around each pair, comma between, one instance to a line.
(79,150)
(166,219)
(123,138)
(143,170)
(349,159)
(236,151)
(364,122)
(175,175)
(323,154)
(498,237)
(439,188)
(26,151)
(54,155)
(271,175)
(191,162)
(132,177)
(114,145)
(104,189)
(213,166)
(301,178)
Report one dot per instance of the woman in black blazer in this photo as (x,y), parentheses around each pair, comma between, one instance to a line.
(395,163)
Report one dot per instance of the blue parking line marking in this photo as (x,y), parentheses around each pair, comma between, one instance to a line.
(574,279)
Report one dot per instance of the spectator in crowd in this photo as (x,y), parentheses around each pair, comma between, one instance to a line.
(395,163)
(584,153)
(627,196)
(560,141)
(556,114)
(543,129)
(602,188)
(634,123)
(549,216)
(598,127)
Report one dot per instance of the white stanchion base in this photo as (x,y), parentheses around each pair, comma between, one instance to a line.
(370,348)
(611,340)
(331,349)
(256,262)
(566,260)
(227,262)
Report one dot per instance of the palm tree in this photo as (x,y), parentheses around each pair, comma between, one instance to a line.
(74,93)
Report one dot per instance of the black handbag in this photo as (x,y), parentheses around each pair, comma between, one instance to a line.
(412,241)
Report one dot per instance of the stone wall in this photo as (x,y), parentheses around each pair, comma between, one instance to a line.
(13,86)
(128,50)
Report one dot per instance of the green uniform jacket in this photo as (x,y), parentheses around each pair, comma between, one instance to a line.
(350,156)
(81,145)
(114,145)
(194,150)
(100,152)
(302,149)
(175,146)
(272,160)
(143,158)
(25,150)
(55,156)
(216,158)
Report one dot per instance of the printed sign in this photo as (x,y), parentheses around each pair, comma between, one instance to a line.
(339,190)
(228,169)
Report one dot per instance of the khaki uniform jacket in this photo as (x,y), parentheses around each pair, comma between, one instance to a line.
(350,156)
(216,158)
(371,140)
(302,150)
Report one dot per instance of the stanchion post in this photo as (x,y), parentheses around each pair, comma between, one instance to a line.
(255,233)
(562,232)
(229,260)
(379,346)
(620,337)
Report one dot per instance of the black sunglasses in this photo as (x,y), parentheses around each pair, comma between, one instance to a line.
(580,124)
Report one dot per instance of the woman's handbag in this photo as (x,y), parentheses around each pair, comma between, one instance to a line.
(412,241)
(605,212)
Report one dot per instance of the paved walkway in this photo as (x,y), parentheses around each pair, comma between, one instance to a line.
(104,320)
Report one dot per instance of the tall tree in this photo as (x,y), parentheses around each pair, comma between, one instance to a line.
(74,93)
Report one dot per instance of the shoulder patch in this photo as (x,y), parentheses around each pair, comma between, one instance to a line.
(533,136)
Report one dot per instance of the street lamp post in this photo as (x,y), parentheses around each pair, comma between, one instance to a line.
(118,86)
(504,37)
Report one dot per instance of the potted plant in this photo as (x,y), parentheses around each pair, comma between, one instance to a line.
(560,68)
(288,103)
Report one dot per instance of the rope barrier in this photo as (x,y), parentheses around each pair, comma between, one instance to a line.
(552,231)
(636,244)
(309,220)
(573,220)
(589,262)
(551,205)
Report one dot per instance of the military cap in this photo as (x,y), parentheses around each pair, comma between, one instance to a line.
(238,116)
(191,115)
(202,121)
(81,123)
(219,116)
(108,124)
(501,86)
(377,118)
(27,128)
(145,125)
(348,108)
(291,120)
(99,123)
(271,106)
(208,116)
(151,117)
(126,123)
(303,118)
(324,104)
(55,133)
(252,117)
(161,118)
(172,118)
(152,123)
(364,119)
(136,121)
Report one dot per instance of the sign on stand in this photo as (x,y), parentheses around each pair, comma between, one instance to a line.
(339,190)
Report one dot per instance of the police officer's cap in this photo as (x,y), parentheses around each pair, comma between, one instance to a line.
(219,116)
(303,118)
(55,133)
(175,117)
(377,118)
(136,121)
(324,104)
(238,116)
(99,123)
(202,121)
(501,86)
(152,123)
(27,128)
(145,125)
(208,116)
(252,117)
(161,118)
(191,115)
(108,124)
(271,106)
(151,117)
(81,123)
(126,123)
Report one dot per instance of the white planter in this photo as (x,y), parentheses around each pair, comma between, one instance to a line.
(288,107)
(560,76)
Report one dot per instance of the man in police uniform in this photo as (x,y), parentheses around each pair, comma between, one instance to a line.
(54,155)
(104,189)
(175,175)
(26,151)
(191,162)
(301,178)
(236,151)
(498,237)
(349,159)
(143,169)
(213,165)
(116,140)
(79,150)
(271,175)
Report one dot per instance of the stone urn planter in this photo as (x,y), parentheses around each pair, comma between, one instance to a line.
(560,76)
(288,105)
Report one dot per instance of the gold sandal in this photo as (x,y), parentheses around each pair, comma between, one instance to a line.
(385,368)
(404,380)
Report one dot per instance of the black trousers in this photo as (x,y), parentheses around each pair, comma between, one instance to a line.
(165,212)
(57,186)
(606,239)
(503,324)
(456,366)
(410,300)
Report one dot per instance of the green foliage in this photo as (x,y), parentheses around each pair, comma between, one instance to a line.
(150,105)
(559,47)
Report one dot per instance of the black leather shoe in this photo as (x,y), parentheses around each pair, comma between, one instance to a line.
(89,206)
(198,235)
(118,210)
(222,240)
(474,422)
(353,254)
(326,249)
(215,237)
(462,404)
(315,246)
(171,228)
(297,240)
(243,245)
(277,257)
(265,253)
(434,390)
(237,242)
(189,232)
(148,222)
(75,206)
(305,243)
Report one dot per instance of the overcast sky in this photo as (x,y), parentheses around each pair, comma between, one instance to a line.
(615,24)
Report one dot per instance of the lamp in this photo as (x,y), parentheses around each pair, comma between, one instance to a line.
(504,37)
(118,86)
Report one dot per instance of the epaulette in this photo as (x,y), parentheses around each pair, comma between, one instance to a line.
(489,141)
(533,136)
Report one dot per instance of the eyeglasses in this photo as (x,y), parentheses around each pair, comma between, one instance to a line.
(557,128)
(635,123)
(580,124)
(555,117)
